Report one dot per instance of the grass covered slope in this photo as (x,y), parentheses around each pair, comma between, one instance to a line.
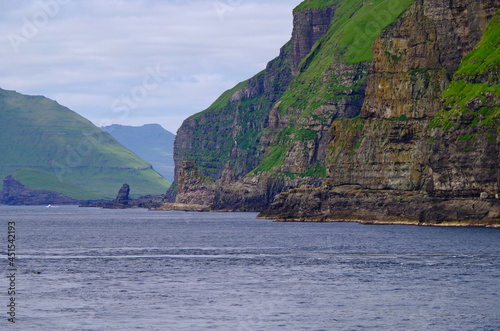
(39,180)
(39,134)
(331,83)
(475,89)
(276,122)
(150,142)
(356,25)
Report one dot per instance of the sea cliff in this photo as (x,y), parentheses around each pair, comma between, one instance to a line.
(393,114)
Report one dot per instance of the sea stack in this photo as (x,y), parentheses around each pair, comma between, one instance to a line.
(123,194)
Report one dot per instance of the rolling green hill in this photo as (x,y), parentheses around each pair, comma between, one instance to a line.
(56,149)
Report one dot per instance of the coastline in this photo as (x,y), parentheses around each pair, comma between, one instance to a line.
(183,207)
(459,224)
(207,209)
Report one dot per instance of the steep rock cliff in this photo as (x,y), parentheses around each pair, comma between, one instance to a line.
(378,154)
(352,203)
(416,56)
(329,83)
(227,138)
(425,148)
(393,114)
(404,94)
(309,26)
(464,136)
(230,129)
(193,186)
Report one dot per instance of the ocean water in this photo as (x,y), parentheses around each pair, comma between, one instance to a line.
(95,269)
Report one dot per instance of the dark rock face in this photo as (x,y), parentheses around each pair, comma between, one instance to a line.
(354,203)
(302,153)
(123,193)
(309,26)
(403,164)
(194,187)
(460,167)
(287,124)
(395,161)
(406,154)
(378,155)
(415,57)
(255,193)
(16,193)
(232,130)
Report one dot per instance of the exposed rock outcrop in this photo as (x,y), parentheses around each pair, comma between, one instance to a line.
(424,148)
(255,193)
(378,154)
(16,193)
(194,188)
(123,194)
(231,128)
(298,136)
(463,161)
(404,153)
(415,57)
(123,201)
(352,203)
(309,26)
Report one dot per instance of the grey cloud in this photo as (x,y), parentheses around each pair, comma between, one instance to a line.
(92,52)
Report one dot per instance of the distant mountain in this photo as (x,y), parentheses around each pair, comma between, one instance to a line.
(49,147)
(151,142)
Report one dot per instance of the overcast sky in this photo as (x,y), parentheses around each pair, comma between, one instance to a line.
(135,62)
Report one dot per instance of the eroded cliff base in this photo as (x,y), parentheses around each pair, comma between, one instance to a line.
(354,204)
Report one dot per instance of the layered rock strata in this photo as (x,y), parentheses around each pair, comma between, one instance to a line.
(425,149)
(230,139)
(415,57)
(354,203)
(309,26)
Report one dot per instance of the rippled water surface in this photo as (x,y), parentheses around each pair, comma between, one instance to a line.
(94,269)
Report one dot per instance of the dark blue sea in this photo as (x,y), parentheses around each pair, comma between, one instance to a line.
(95,269)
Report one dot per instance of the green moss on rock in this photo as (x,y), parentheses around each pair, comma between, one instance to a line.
(475,91)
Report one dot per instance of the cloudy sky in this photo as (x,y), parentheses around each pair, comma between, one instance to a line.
(135,62)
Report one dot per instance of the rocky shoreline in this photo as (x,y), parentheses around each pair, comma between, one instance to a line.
(381,207)
(457,224)
(15,193)
(349,203)
(183,207)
